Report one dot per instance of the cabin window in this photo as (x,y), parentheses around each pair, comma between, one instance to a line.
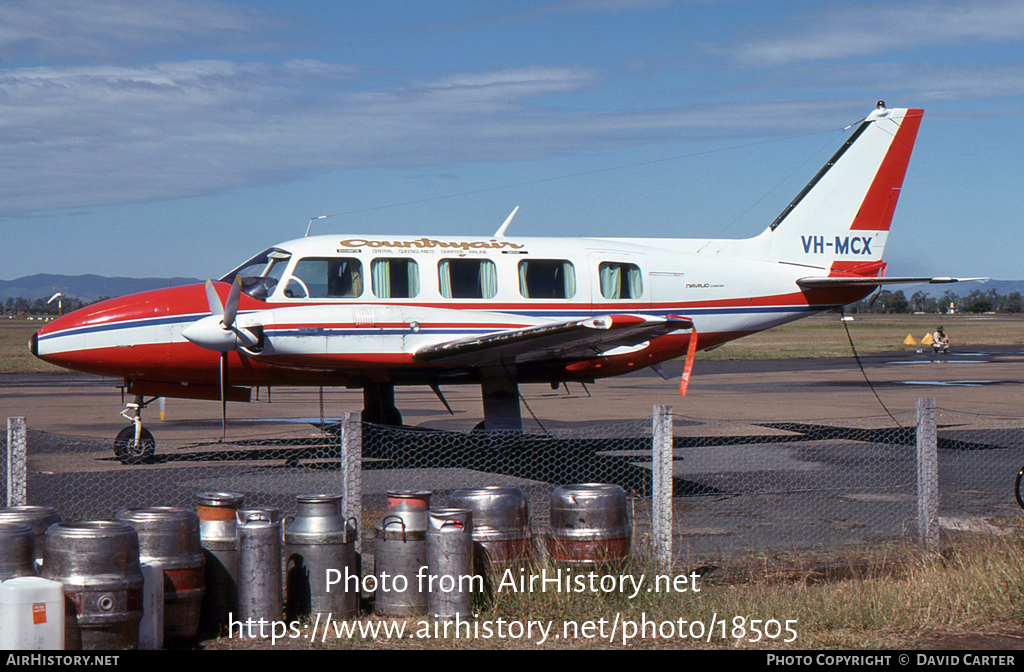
(468,278)
(547,279)
(395,278)
(337,278)
(620,281)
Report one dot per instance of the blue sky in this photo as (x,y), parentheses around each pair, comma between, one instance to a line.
(178,137)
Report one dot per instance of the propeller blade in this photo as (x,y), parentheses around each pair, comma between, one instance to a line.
(213,300)
(231,307)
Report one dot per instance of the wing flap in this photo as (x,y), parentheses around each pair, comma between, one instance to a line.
(573,339)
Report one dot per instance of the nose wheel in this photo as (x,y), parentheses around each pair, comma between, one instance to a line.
(1016,487)
(135,444)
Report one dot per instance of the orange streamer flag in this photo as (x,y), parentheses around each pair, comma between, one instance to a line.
(690,352)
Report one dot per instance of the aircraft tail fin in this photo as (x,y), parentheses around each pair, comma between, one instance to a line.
(840,220)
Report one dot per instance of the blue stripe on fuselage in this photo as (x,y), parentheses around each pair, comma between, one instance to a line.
(567,315)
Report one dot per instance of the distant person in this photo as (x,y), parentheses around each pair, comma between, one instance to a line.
(940,341)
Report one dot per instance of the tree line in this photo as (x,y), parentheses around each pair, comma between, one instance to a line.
(921,302)
(21,307)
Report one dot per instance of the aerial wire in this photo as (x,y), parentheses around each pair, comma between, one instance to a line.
(597,171)
(768,193)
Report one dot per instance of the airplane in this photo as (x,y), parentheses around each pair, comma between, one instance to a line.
(376,311)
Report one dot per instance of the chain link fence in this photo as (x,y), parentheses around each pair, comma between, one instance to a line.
(739,487)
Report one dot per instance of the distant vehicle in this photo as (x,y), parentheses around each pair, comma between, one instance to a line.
(374,311)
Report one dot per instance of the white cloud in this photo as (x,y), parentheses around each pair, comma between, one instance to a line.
(844,30)
(912,82)
(97,135)
(105,30)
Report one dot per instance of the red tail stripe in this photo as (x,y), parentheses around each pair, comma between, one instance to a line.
(876,210)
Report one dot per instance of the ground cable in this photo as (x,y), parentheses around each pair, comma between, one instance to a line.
(842,313)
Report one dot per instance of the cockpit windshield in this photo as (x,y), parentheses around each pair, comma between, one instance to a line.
(261,273)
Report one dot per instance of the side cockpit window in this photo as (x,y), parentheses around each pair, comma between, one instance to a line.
(261,274)
(620,281)
(326,278)
(547,279)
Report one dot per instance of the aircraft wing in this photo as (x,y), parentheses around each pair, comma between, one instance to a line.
(572,339)
(829,282)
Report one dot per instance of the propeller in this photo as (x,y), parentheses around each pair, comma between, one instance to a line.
(219,333)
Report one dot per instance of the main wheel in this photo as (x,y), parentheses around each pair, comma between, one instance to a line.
(130,451)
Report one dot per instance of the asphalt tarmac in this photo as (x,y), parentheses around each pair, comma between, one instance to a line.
(985,381)
(744,479)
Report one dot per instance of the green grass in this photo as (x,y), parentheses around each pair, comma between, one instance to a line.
(824,335)
(887,598)
(14,354)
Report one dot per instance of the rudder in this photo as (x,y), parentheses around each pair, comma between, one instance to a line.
(841,219)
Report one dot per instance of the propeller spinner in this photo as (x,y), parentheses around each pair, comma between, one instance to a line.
(218,331)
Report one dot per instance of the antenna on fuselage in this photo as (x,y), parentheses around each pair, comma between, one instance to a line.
(311,223)
(501,231)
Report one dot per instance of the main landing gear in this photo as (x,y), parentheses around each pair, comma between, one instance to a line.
(135,444)
(499,391)
(379,405)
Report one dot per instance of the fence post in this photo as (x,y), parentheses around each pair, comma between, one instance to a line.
(352,471)
(17,462)
(661,492)
(927,475)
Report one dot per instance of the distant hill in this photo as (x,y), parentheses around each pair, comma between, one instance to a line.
(85,287)
(1002,287)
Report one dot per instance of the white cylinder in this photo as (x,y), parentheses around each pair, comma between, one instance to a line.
(31,614)
(151,627)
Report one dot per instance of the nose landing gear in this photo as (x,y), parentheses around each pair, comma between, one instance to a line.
(135,444)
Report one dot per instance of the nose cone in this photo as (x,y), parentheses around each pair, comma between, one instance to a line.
(73,341)
(114,337)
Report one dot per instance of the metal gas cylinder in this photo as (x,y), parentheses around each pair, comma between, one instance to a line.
(590,524)
(39,518)
(170,536)
(318,539)
(16,551)
(98,563)
(399,553)
(217,536)
(501,522)
(451,580)
(259,570)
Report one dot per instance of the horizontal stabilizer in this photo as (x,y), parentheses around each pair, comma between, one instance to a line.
(818,282)
(575,339)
